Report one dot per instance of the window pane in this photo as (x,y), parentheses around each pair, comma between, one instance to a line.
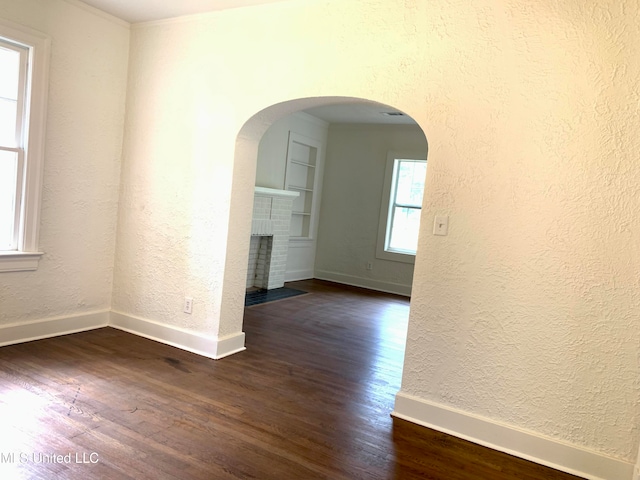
(8,122)
(10,68)
(8,176)
(404,230)
(410,186)
(9,78)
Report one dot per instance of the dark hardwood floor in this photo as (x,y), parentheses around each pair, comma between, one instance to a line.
(309,399)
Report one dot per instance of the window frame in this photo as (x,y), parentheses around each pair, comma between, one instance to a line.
(16,146)
(386,208)
(26,255)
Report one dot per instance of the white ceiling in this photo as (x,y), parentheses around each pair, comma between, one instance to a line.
(359,113)
(135,11)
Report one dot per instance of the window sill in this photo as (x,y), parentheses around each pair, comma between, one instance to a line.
(19,261)
(395,256)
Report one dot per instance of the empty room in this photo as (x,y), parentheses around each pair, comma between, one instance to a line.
(136,139)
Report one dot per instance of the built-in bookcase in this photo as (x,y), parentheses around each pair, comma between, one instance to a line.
(302,177)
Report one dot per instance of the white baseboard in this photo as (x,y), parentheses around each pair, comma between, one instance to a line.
(205,345)
(208,346)
(229,345)
(52,327)
(295,275)
(505,438)
(369,283)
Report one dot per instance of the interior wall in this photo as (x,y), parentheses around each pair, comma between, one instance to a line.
(526,313)
(85,115)
(350,214)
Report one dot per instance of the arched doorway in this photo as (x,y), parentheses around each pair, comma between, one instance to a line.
(246,156)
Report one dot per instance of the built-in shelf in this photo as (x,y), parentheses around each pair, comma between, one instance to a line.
(272,192)
(300,176)
(296,187)
(304,164)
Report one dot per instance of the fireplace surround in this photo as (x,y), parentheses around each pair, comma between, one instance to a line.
(269,245)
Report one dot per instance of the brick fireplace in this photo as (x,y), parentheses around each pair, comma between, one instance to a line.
(269,237)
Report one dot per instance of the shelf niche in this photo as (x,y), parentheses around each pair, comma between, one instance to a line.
(301,176)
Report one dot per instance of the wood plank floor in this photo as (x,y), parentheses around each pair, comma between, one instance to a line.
(309,399)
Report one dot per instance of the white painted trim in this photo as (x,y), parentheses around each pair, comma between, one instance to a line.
(386,204)
(381,286)
(274,192)
(52,327)
(34,150)
(99,13)
(509,439)
(230,344)
(19,261)
(315,191)
(190,17)
(206,345)
(35,119)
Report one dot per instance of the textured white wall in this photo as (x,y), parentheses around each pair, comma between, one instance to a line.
(354,179)
(88,74)
(527,312)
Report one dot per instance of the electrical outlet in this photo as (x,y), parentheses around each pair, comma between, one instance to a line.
(188,304)
(369,265)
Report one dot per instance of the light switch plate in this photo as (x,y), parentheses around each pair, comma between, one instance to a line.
(441,225)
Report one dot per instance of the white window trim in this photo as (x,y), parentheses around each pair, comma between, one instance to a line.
(381,253)
(27,256)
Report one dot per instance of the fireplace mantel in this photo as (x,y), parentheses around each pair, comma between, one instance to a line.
(273,192)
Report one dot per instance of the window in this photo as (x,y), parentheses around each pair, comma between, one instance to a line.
(401,206)
(13,65)
(23,87)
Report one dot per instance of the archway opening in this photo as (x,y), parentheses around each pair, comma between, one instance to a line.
(317,231)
